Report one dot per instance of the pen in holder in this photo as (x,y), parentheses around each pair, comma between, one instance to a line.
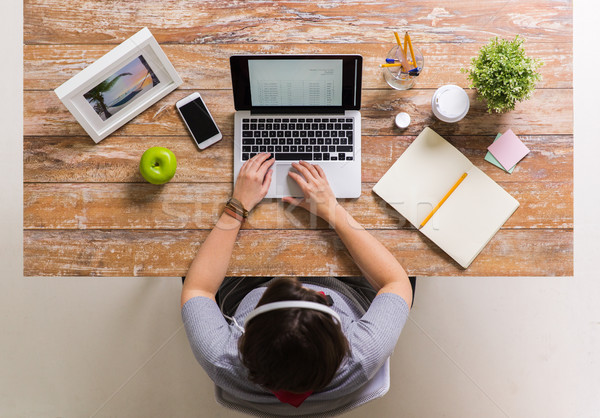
(402,68)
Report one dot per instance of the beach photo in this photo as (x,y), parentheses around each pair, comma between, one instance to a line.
(114,93)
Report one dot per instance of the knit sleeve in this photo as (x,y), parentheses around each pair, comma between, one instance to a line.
(208,333)
(373,337)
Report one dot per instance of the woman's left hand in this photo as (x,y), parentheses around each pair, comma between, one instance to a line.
(253,180)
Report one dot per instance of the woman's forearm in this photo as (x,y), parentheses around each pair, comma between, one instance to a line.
(209,267)
(378,265)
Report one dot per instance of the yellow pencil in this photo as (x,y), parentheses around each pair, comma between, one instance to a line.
(394,64)
(403,52)
(398,64)
(412,53)
(443,200)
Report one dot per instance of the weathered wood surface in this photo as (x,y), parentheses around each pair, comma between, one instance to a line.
(288,252)
(198,206)
(549,111)
(88,212)
(78,159)
(322,21)
(206,66)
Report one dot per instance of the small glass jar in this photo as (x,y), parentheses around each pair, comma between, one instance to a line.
(397,77)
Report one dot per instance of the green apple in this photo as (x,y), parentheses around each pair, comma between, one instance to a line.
(158,165)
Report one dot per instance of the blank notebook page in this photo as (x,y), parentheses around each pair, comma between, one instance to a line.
(422,175)
(470,217)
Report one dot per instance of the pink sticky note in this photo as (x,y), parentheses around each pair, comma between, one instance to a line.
(508,149)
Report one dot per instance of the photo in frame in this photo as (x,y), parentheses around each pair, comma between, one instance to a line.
(119,86)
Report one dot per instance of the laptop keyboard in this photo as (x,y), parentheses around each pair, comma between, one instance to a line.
(293,139)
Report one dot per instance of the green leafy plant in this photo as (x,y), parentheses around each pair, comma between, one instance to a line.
(503,74)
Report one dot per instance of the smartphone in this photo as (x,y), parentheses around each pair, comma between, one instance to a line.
(198,120)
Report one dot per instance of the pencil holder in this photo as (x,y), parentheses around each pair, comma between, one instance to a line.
(398,77)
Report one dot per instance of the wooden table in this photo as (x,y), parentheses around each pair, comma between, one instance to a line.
(88,212)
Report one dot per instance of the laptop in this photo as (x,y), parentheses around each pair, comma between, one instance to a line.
(299,107)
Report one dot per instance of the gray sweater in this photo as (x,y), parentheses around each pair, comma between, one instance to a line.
(372,338)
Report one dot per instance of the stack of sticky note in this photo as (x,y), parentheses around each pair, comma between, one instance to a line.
(506,151)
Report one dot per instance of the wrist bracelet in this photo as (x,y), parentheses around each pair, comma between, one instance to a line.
(233,214)
(235,209)
(234,204)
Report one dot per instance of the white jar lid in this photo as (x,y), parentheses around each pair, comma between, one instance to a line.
(450,103)
(402,120)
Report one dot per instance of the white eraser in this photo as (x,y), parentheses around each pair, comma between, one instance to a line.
(402,120)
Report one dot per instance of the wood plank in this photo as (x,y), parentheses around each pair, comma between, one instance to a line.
(58,159)
(549,111)
(198,206)
(116,159)
(290,252)
(550,159)
(206,67)
(352,21)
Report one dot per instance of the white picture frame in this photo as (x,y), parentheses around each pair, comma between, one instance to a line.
(119,86)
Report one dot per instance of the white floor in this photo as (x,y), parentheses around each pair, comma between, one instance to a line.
(474,347)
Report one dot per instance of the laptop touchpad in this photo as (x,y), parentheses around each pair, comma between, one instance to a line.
(286,186)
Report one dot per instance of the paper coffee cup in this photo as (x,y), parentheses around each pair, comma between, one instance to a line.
(450,103)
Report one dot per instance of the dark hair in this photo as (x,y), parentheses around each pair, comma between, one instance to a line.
(292,349)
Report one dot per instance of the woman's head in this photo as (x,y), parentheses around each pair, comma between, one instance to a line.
(292,349)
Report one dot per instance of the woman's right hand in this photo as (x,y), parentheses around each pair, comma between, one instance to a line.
(318,196)
(254,180)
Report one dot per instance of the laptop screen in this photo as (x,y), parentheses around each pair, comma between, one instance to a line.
(292,83)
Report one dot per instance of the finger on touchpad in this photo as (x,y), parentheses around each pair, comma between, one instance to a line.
(286,186)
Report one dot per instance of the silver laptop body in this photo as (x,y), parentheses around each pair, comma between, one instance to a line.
(300,108)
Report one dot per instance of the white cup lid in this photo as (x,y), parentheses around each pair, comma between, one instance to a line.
(450,103)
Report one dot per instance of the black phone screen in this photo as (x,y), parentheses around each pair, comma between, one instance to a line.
(198,120)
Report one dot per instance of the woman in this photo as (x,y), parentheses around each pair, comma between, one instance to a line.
(308,358)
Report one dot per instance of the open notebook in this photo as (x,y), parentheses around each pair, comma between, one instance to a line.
(424,175)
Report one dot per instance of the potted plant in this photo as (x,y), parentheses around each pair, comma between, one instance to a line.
(503,74)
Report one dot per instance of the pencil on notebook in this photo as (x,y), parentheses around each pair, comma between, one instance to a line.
(443,200)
